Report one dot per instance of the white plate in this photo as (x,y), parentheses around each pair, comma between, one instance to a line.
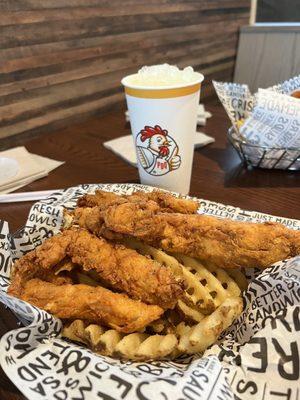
(9,168)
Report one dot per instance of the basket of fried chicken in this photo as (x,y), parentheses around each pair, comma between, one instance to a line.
(145,276)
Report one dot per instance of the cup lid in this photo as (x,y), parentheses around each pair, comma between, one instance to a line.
(198,79)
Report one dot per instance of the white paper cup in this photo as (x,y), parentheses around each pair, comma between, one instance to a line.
(163,123)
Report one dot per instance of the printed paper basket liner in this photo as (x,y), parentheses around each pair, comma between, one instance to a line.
(257,358)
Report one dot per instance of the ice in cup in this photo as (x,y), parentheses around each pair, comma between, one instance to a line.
(162,102)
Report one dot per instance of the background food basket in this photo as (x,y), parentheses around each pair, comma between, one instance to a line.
(265,157)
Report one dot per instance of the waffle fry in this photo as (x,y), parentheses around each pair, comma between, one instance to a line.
(195,292)
(199,337)
(93,333)
(190,312)
(207,286)
(226,281)
(157,255)
(128,346)
(211,300)
(107,342)
(239,278)
(142,346)
(216,283)
(161,326)
(76,331)
(157,346)
(135,346)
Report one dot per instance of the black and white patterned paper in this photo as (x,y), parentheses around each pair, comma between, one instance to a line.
(272,122)
(236,99)
(257,358)
(287,87)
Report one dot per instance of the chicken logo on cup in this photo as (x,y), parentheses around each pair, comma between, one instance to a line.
(157,151)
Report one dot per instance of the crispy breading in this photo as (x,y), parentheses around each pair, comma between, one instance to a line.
(100,199)
(93,304)
(165,201)
(91,218)
(39,263)
(219,242)
(119,268)
(125,269)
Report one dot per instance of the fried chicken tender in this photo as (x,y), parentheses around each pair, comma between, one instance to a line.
(100,199)
(219,242)
(91,218)
(117,267)
(92,304)
(164,201)
(40,263)
(125,269)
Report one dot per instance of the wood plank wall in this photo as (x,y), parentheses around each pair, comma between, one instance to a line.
(60,59)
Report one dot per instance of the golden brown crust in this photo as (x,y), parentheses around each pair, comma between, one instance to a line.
(164,201)
(125,269)
(100,199)
(39,263)
(91,304)
(119,268)
(220,242)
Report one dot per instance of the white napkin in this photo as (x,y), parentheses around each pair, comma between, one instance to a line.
(30,168)
(124,147)
(202,115)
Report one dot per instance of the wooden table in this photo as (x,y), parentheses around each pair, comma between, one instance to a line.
(217,175)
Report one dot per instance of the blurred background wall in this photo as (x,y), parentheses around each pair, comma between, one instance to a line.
(62,60)
(269,48)
(267,55)
(278,10)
